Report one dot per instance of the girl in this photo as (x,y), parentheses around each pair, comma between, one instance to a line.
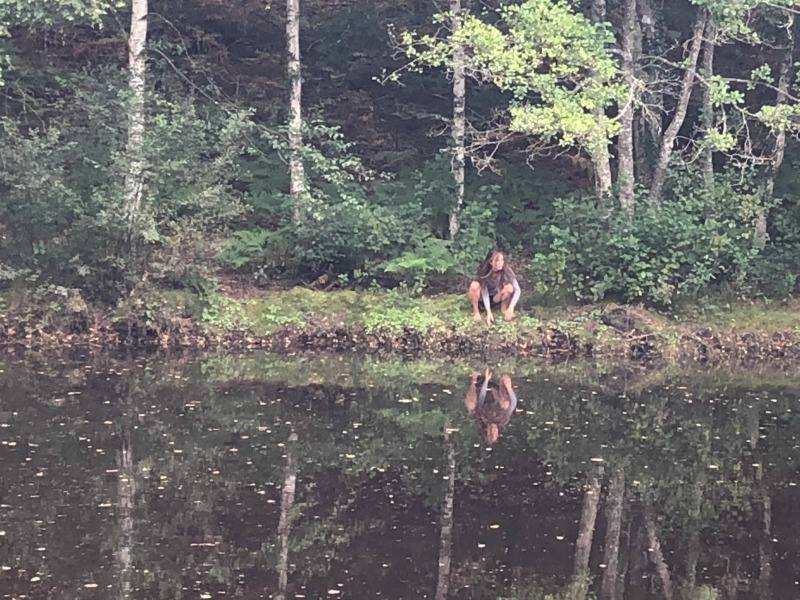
(496,285)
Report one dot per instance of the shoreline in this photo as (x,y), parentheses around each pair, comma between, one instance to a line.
(383,323)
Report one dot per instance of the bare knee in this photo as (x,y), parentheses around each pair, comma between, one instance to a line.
(507,291)
(474,289)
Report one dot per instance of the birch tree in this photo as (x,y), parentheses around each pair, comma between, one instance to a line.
(679,115)
(626,176)
(297,177)
(709,48)
(137,70)
(601,159)
(779,151)
(459,119)
(556,65)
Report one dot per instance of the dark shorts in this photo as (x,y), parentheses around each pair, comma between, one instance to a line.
(492,303)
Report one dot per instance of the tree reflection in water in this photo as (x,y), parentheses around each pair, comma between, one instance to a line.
(589,485)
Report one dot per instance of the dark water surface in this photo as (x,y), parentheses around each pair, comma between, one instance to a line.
(224,477)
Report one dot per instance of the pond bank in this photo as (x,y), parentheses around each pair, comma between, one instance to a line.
(391,323)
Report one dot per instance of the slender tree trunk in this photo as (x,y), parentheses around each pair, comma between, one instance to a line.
(137,70)
(649,39)
(656,553)
(459,121)
(671,133)
(126,489)
(297,176)
(579,586)
(784,81)
(599,154)
(614,502)
(285,521)
(446,538)
(627,176)
(708,109)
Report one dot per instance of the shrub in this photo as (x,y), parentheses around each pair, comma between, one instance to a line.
(658,254)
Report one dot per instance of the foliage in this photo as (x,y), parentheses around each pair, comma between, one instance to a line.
(63,191)
(657,255)
(555,64)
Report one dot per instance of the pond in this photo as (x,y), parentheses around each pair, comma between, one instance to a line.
(153,476)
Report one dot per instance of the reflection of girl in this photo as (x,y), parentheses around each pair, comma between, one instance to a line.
(492,406)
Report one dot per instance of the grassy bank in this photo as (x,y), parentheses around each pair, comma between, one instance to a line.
(392,322)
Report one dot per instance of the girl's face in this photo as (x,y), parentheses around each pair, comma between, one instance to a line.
(498,262)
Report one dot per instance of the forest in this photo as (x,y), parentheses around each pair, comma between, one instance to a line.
(634,151)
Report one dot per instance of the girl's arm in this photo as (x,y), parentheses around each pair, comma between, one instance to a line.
(485,296)
(517,294)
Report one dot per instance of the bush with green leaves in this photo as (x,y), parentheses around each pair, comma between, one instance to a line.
(655,256)
(62,190)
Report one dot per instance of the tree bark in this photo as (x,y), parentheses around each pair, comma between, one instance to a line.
(671,133)
(627,176)
(601,159)
(656,554)
(784,82)
(137,71)
(459,121)
(579,585)
(285,520)
(708,109)
(614,503)
(297,176)
(446,538)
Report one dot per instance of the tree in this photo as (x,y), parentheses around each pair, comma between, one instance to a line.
(459,120)
(627,176)
(601,158)
(137,70)
(556,65)
(671,133)
(297,177)
(779,151)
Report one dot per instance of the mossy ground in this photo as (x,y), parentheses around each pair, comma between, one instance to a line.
(396,321)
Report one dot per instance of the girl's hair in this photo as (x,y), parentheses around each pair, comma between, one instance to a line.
(485,268)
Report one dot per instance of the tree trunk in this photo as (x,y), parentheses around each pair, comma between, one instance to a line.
(285,521)
(627,177)
(459,121)
(297,176)
(671,133)
(137,70)
(579,586)
(656,554)
(446,539)
(784,81)
(614,501)
(708,109)
(600,155)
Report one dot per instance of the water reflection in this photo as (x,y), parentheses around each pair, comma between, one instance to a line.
(290,478)
(490,403)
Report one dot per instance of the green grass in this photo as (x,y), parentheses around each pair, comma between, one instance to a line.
(442,315)
(757,316)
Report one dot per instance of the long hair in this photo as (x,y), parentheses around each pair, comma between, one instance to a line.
(485,271)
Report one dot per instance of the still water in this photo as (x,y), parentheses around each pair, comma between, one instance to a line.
(323,477)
